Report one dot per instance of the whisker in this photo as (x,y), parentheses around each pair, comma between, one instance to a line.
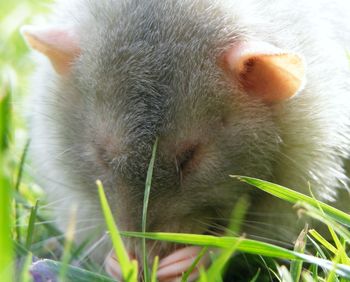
(53,203)
(272,241)
(76,232)
(216,229)
(93,247)
(54,221)
(55,181)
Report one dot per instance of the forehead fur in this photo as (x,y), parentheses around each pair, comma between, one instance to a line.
(162,53)
(149,57)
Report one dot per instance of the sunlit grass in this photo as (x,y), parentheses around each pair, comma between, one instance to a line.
(294,197)
(121,254)
(148,185)
(6,251)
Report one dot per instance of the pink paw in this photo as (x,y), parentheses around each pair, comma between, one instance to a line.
(170,268)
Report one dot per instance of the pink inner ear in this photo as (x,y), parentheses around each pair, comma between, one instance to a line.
(59,44)
(265,71)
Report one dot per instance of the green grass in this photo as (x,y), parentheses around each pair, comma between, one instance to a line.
(26,227)
(145,207)
(186,275)
(296,197)
(297,265)
(119,249)
(6,249)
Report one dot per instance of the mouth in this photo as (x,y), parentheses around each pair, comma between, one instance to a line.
(171,268)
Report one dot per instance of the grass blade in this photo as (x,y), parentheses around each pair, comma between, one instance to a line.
(294,197)
(18,182)
(194,264)
(154,269)
(340,247)
(25,275)
(21,166)
(5,114)
(308,278)
(323,241)
(314,271)
(332,274)
(6,251)
(246,245)
(134,271)
(297,265)
(256,276)
(31,225)
(120,251)
(68,244)
(284,274)
(238,214)
(318,214)
(215,271)
(202,275)
(6,248)
(145,207)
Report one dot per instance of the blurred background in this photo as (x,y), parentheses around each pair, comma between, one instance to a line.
(16,67)
(16,64)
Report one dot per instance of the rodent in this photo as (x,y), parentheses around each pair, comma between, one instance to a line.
(120,74)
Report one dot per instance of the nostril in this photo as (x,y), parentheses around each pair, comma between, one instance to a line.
(187,158)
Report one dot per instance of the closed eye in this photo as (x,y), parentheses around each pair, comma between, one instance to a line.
(187,159)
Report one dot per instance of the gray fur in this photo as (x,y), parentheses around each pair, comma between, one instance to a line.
(149,69)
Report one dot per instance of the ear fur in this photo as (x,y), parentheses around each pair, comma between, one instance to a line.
(58,44)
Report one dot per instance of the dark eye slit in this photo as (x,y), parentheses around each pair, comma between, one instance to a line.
(185,159)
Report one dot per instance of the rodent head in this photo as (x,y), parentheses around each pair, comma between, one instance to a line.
(118,90)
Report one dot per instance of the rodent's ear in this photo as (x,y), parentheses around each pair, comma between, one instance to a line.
(58,44)
(264,70)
